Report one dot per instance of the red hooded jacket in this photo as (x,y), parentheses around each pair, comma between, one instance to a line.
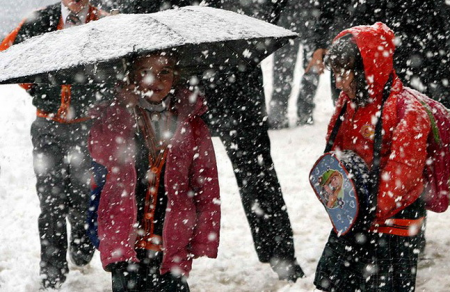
(404,143)
(192,220)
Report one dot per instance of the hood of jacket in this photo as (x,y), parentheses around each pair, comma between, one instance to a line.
(376,45)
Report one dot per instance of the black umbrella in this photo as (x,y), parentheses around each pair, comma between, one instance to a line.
(204,38)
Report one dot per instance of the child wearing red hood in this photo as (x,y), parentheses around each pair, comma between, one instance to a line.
(159,207)
(384,256)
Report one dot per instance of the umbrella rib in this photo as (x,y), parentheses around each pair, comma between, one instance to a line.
(170,29)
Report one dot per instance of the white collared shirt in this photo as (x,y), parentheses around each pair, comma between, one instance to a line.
(65,12)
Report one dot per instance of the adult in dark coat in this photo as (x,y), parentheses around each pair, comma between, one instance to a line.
(237,114)
(60,155)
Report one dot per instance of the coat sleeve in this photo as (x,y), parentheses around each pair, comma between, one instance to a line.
(110,131)
(8,41)
(205,184)
(401,181)
(109,145)
(192,221)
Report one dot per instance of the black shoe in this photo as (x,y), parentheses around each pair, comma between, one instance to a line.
(171,283)
(81,249)
(305,120)
(125,277)
(52,278)
(287,270)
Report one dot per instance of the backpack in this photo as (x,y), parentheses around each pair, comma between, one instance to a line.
(437,171)
(341,183)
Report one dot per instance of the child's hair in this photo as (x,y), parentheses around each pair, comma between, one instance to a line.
(129,61)
(344,55)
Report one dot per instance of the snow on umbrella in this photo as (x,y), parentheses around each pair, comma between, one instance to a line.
(205,38)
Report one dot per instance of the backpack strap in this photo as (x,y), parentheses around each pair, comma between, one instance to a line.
(335,130)
(378,140)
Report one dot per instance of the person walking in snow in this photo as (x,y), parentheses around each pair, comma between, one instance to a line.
(384,256)
(237,114)
(301,17)
(60,156)
(160,204)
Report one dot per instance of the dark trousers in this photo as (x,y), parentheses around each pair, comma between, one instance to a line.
(371,262)
(144,276)
(237,115)
(284,66)
(61,164)
(264,206)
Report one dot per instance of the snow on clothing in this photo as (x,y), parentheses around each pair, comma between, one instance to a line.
(58,133)
(380,260)
(237,114)
(66,103)
(192,221)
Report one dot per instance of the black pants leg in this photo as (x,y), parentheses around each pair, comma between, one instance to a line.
(237,114)
(308,89)
(62,173)
(144,276)
(283,77)
(249,151)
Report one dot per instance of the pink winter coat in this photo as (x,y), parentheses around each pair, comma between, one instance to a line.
(192,220)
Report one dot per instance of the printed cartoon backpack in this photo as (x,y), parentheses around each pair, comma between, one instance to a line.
(341,183)
(437,170)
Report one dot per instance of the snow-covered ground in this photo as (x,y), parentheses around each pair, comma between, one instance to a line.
(236,269)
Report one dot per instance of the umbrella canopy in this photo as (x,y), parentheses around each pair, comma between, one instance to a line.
(205,38)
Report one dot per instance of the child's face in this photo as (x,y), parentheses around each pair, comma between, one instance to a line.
(154,76)
(75,5)
(345,81)
(335,181)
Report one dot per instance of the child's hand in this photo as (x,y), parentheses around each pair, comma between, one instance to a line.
(128,95)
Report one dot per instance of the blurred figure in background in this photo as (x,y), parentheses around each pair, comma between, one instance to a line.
(300,17)
(60,155)
(422,38)
(333,18)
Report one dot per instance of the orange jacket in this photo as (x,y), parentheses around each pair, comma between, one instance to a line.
(9,40)
(404,142)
